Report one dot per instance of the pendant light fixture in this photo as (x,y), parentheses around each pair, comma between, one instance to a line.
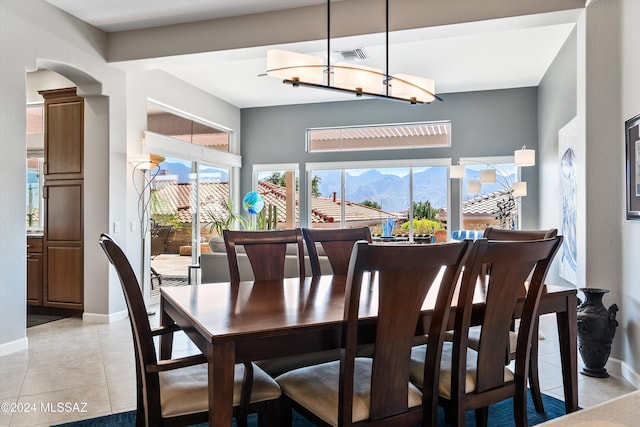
(299,69)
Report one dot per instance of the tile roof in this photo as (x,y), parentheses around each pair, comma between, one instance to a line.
(170,198)
(482,206)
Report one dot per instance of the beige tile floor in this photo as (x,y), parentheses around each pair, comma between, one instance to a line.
(89,369)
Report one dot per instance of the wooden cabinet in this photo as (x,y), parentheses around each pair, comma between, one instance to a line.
(34,271)
(63,245)
(64,134)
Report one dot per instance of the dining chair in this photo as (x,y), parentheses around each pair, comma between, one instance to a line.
(266,251)
(337,244)
(491,233)
(359,391)
(474,379)
(175,392)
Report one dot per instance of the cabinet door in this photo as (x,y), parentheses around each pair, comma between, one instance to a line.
(63,134)
(63,244)
(63,213)
(34,278)
(64,277)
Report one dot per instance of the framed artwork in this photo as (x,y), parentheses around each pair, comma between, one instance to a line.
(568,254)
(632,148)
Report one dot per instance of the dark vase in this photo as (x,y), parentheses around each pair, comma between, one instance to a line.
(596,328)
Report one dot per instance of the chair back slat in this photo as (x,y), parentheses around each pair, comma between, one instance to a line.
(265,250)
(405,274)
(512,264)
(337,244)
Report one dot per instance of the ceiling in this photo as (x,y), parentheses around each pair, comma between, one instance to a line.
(487,55)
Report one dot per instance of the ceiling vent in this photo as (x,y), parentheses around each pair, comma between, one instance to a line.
(351,55)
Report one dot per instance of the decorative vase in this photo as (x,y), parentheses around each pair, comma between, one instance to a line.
(596,328)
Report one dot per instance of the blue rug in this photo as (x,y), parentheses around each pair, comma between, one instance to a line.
(500,414)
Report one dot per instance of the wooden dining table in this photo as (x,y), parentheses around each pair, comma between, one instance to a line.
(248,321)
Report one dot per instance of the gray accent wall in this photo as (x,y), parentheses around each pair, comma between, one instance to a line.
(487,123)
(557,105)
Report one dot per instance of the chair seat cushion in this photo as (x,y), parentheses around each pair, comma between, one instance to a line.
(185,391)
(316,388)
(474,338)
(417,369)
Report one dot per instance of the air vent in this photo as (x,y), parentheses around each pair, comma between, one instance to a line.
(352,55)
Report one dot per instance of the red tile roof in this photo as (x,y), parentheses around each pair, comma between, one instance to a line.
(170,198)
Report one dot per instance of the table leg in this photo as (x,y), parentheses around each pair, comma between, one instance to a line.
(221,359)
(567,322)
(166,340)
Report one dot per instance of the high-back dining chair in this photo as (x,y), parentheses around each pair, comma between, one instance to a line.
(491,233)
(337,244)
(175,392)
(266,251)
(474,379)
(355,391)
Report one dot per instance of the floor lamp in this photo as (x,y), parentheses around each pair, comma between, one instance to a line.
(145,166)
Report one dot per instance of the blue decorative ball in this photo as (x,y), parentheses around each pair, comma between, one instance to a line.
(253,202)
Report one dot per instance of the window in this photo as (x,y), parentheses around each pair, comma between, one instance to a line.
(487,204)
(34,194)
(166,123)
(408,135)
(279,187)
(35,119)
(412,193)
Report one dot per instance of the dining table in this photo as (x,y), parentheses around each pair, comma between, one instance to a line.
(256,320)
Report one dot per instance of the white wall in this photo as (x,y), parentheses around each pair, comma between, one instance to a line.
(630,231)
(51,39)
(162,88)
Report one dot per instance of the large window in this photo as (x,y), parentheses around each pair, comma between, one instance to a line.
(381,137)
(410,194)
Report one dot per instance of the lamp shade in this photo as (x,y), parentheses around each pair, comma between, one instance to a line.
(474,186)
(488,176)
(407,86)
(457,171)
(357,77)
(294,66)
(519,189)
(524,157)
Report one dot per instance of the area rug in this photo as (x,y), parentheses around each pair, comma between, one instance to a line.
(41,319)
(500,415)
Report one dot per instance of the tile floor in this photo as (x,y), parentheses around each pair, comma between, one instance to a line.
(74,370)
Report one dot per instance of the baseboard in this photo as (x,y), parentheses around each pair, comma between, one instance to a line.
(630,375)
(14,346)
(104,318)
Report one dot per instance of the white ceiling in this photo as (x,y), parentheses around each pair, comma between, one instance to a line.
(497,54)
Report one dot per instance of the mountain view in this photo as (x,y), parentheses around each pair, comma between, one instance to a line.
(389,190)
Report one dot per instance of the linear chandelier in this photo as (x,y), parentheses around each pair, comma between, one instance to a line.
(298,69)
